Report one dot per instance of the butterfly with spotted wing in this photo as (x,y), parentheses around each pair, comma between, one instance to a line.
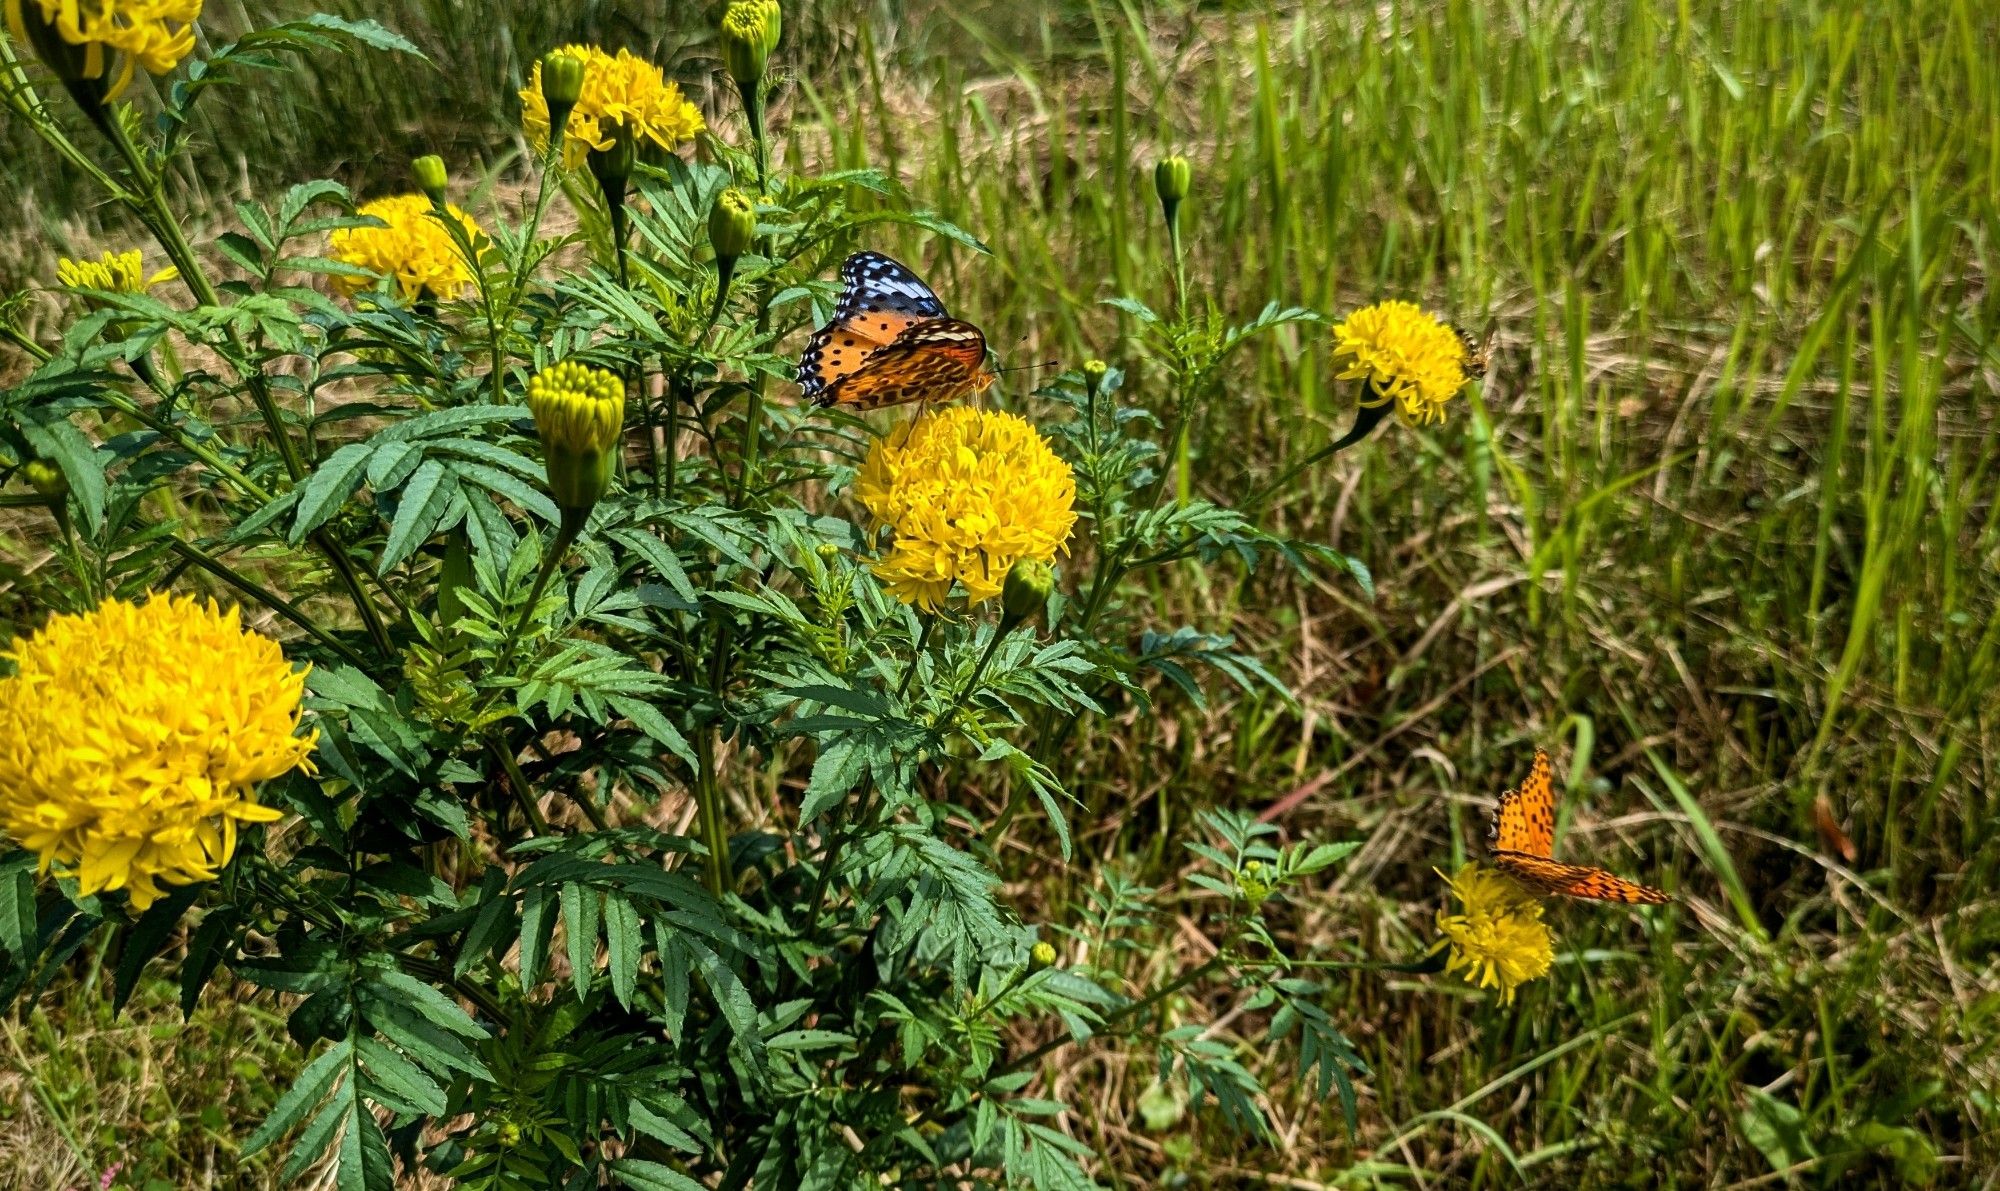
(1524,830)
(890,342)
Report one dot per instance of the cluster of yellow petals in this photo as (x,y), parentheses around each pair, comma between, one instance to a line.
(120,34)
(1498,939)
(968,492)
(1406,355)
(132,737)
(413,248)
(617,89)
(577,407)
(113,272)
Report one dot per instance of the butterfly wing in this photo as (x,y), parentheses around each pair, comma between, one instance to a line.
(1526,819)
(880,298)
(939,360)
(1576,880)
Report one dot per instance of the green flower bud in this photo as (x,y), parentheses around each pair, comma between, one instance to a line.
(1094,370)
(1042,958)
(1256,886)
(827,551)
(749,33)
(46,478)
(431,176)
(732,224)
(1026,590)
(562,86)
(1172,178)
(580,416)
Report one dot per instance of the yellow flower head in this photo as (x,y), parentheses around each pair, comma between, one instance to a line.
(967,492)
(414,249)
(580,416)
(1498,940)
(623,89)
(1405,354)
(114,272)
(131,738)
(113,34)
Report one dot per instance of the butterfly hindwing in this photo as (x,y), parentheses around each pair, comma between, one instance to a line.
(1524,847)
(931,361)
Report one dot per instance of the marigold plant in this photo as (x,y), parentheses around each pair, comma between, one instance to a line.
(114,272)
(132,738)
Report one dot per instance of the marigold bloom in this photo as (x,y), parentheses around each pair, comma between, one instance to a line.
(113,34)
(1406,355)
(622,89)
(414,249)
(1498,940)
(968,492)
(114,272)
(580,416)
(132,736)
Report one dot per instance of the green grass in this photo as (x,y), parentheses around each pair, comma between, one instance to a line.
(1721,521)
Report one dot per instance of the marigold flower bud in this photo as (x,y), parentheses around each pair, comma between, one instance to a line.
(46,477)
(1026,590)
(613,166)
(1172,178)
(749,33)
(431,176)
(1042,958)
(562,86)
(580,416)
(1094,370)
(827,551)
(732,224)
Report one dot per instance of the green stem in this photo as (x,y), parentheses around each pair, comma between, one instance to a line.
(523,793)
(930,620)
(708,808)
(269,599)
(572,524)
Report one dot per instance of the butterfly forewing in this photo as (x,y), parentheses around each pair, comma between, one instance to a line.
(890,342)
(1524,847)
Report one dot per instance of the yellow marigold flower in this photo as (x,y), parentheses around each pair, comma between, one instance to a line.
(580,416)
(1499,939)
(968,493)
(623,89)
(115,35)
(114,272)
(1406,355)
(413,248)
(132,736)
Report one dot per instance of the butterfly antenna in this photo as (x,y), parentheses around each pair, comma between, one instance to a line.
(1031,367)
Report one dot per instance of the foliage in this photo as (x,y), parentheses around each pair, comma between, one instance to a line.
(532,916)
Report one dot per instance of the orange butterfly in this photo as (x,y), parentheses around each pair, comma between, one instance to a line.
(890,342)
(1524,829)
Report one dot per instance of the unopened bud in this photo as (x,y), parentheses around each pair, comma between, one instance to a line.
(580,418)
(562,86)
(732,224)
(614,166)
(431,176)
(1042,957)
(1172,179)
(1026,590)
(46,478)
(827,551)
(749,33)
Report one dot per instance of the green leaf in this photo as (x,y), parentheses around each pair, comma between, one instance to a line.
(537,928)
(367,32)
(329,486)
(580,921)
(423,502)
(19,934)
(837,771)
(396,1076)
(651,1176)
(71,451)
(307,1090)
(145,939)
(439,1009)
(655,725)
(623,943)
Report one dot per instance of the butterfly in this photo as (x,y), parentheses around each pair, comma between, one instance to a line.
(1478,352)
(1524,847)
(890,342)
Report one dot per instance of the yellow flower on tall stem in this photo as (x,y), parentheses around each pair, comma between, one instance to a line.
(1497,939)
(1404,355)
(968,492)
(132,738)
(100,43)
(617,89)
(412,247)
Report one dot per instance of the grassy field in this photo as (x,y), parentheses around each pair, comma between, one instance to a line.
(1720,527)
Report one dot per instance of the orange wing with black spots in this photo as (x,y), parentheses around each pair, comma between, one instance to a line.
(889,342)
(1524,829)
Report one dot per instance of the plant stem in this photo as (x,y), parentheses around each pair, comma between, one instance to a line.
(523,792)
(708,798)
(269,599)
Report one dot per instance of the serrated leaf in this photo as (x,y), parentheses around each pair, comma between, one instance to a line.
(329,486)
(424,500)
